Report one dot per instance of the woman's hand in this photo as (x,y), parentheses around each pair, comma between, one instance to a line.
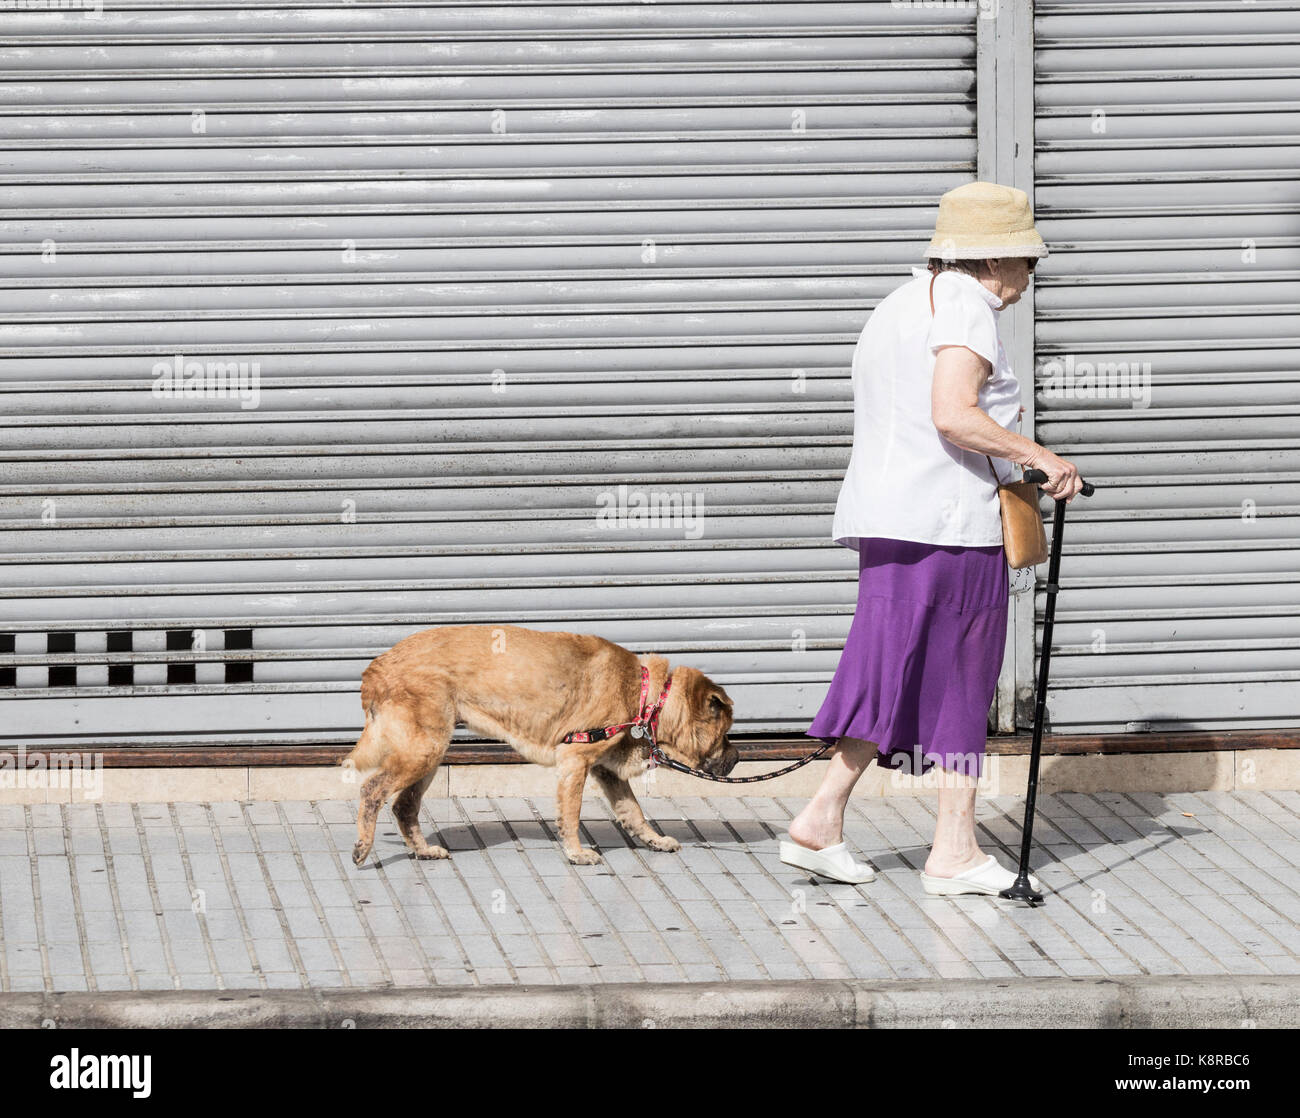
(1062,477)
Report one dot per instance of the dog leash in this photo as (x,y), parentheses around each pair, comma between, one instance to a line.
(657,757)
(646,725)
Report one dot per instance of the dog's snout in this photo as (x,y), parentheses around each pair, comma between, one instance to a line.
(722,763)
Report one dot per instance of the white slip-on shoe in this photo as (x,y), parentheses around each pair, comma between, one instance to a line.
(834,862)
(988,878)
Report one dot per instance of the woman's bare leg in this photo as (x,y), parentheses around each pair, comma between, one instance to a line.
(821,822)
(955,847)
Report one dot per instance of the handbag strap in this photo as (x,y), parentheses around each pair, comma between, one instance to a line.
(986,457)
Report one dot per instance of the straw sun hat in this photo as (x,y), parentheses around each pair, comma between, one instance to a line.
(983,220)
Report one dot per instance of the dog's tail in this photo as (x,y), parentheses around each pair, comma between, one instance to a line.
(370,749)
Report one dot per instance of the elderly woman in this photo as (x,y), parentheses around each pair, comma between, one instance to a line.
(935,404)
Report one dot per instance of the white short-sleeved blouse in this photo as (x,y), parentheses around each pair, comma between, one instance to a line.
(905,481)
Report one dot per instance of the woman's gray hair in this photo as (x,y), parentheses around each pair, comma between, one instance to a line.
(974,268)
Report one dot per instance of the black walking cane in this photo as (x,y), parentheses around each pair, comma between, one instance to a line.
(1019,889)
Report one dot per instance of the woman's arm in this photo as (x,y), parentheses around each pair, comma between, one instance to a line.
(954,406)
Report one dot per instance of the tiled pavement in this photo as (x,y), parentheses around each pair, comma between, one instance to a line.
(264,895)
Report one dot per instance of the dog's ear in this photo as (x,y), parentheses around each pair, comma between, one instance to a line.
(689,699)
(686,682)
(704,698)
(719,704)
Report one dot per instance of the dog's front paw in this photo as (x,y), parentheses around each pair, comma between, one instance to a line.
(360,852)
(663,842)
(583,857)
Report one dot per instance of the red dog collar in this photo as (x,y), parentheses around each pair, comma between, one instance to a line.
(645,725)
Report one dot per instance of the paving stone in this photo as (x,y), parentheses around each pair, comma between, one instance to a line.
(109,982)
(231,955)
(316,954)
(263,923)
(283,980)
(563,950)
(358,953)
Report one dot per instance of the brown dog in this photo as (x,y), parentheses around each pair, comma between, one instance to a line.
(530,690)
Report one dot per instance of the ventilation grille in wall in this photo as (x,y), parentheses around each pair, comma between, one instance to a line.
(112,659)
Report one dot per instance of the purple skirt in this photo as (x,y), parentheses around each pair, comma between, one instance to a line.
(920,667)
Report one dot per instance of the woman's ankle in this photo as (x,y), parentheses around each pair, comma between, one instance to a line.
(949,863)
(816,828)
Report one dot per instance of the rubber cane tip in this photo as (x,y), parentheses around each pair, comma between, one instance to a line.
(1019,890)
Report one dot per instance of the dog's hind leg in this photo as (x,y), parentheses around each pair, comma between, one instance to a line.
(417,741)
(374,793)
(407,810)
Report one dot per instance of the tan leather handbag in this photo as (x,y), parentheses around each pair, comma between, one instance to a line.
(1024,539)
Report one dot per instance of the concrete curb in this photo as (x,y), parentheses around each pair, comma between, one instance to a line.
(1181,1002)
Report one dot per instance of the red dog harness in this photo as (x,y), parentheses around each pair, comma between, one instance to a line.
(645,725)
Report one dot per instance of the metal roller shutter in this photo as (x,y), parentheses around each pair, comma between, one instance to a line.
(1167,178)
(492,263)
